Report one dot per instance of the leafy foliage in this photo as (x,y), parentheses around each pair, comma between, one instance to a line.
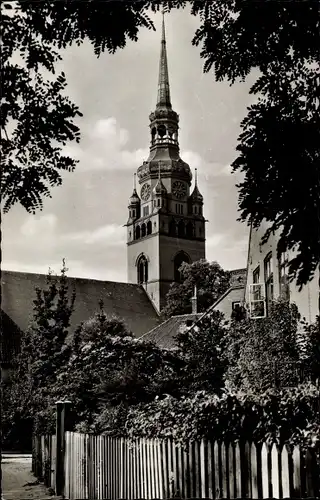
(43,353)
(202,349)
(282,416)
(211,282)
(267,352)
(281,131)
(110,368)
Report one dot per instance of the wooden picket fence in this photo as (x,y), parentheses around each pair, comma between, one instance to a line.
(102,467)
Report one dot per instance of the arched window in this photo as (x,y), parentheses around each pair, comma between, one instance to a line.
(189,231)
(178,261)
(143,230)
(162,131)
(142,269)
(137,233)
(153,133)
(181,229)
(149,227)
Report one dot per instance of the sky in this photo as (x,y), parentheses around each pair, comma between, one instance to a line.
(84,220)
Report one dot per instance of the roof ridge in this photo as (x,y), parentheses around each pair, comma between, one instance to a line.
(26,273)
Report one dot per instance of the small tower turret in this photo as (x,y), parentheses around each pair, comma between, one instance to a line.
(159,193)
(134,203)
(196,198)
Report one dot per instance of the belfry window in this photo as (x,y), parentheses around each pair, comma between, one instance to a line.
(142,270)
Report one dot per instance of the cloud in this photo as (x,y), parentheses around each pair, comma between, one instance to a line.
(215,241)
(43,225)
(103,147)
(110,235)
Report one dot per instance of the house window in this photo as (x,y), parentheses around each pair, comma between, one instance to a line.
(284,290)
(146,211)
(256,275)
(268,278)
(236,306)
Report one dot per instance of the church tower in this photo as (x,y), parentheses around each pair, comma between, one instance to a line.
(166,226)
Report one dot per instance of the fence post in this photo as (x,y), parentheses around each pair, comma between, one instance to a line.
(61,413)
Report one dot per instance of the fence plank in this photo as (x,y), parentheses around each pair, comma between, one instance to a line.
(254,471)
(310,490)
(209,470)
(285,478)
(237,472)
(264,471)
(196,469)
(217,482)
(275,472)
(224,471)
(230,452)
(296,460)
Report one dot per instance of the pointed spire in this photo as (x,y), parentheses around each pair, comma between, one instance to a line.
(159,188)
(134,198)
(163,83)
(196,195)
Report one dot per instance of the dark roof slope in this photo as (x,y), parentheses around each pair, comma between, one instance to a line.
(128,301)
(163,335)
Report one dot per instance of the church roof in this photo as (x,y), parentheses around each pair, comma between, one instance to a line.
(128,301)
(164,334)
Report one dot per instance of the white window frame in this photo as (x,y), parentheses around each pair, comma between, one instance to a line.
(261,300)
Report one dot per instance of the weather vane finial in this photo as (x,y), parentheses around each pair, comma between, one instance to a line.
(134,180)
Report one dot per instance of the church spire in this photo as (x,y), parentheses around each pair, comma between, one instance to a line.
(163,82)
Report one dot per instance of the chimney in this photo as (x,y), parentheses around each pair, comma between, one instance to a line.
(194,301)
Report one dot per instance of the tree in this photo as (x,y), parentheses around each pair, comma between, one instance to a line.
(110,370)
(202,349)
(211,282)
(281,133)
(280,136)
(44,352)
(37,118)
(267,352)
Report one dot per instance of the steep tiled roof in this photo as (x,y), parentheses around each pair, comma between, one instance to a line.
(128,301)
(163,335)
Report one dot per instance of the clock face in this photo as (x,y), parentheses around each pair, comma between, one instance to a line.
(145,192)
(179,189)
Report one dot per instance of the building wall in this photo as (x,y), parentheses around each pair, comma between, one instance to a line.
(306,299)
(235,295)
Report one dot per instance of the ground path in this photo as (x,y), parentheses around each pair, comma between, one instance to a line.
(18,482)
